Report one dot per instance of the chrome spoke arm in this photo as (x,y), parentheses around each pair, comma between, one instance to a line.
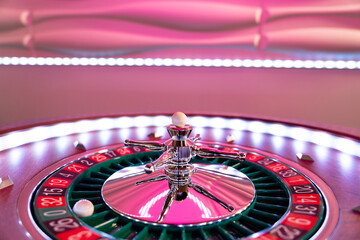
(207,152)
(154,179)
(197,137)
(168,201)
(151,145)
(159,163)
(208,194)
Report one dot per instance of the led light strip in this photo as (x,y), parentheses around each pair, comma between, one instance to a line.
(179,62)
(18,138)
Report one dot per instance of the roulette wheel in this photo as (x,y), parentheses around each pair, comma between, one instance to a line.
(244,179)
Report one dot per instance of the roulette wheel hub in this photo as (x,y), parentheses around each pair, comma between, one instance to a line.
(181,176)
(144,202)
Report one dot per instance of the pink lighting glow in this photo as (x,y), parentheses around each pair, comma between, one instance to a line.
(257,128)
(163,33)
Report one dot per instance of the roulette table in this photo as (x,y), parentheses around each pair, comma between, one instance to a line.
(302,181)
(109,175)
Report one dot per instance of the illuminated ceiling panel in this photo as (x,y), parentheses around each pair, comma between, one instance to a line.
(326,32)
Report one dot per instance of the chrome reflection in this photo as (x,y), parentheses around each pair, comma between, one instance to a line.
(144,202)
(176,161)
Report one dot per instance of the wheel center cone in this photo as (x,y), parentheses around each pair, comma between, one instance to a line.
(144,202)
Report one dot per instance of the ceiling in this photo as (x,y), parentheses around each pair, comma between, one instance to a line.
(326,30)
